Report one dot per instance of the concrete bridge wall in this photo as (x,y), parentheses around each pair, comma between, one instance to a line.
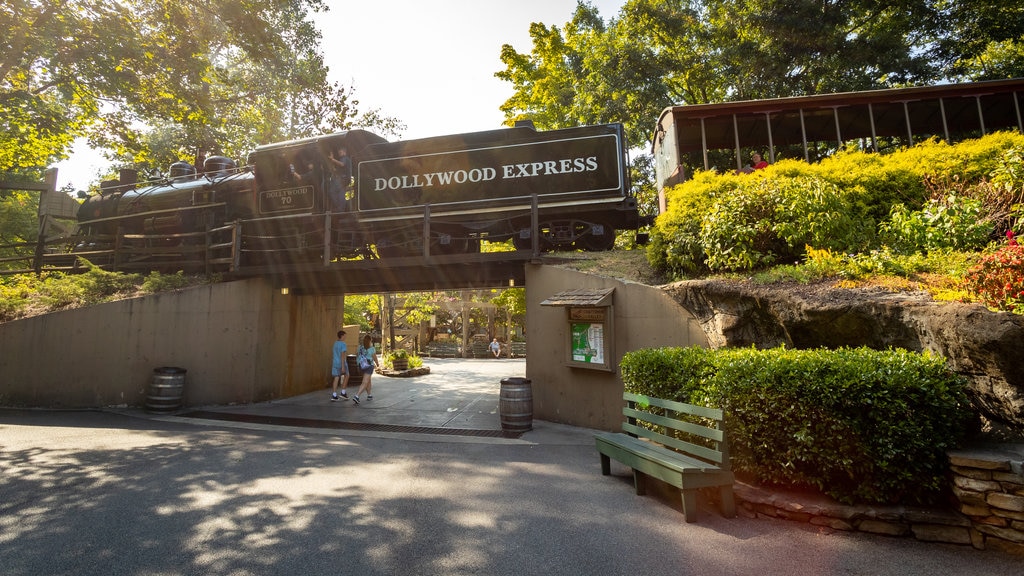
(239,341)
(244,342)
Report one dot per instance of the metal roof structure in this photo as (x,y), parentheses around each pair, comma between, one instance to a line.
(685,134)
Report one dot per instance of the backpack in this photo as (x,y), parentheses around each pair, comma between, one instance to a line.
(365,364)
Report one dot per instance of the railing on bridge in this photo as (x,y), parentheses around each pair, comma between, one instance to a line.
(233,247)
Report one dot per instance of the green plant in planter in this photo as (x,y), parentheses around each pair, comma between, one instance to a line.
(397,359)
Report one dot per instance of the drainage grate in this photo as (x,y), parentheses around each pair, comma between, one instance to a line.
(370,427)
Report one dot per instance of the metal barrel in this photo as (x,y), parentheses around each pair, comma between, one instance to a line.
(166,390)
(515,405)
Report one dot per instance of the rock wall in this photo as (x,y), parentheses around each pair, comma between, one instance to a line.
(988,487)
(986,347)
(987,509)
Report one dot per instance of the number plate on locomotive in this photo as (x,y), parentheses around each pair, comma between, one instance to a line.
(286,200)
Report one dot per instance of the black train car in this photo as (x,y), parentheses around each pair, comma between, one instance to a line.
(483,184)
(471,186)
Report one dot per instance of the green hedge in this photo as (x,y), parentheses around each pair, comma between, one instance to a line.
(860,425)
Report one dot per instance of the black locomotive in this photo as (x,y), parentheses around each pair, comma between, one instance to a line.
(440,195)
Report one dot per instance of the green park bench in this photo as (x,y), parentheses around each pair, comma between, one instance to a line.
(443,350)
(481,349)
(690,453)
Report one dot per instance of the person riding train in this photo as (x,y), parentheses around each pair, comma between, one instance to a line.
(339,177)
(759,163)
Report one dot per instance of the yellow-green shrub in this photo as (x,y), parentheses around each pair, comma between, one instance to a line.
(741,222)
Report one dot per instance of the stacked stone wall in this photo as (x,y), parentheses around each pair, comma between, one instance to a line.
(987,510)
(989,490)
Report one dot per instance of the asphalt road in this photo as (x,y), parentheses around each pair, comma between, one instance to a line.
(110,493)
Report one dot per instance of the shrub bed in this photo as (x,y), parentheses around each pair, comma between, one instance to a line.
(860,425)
(932,196)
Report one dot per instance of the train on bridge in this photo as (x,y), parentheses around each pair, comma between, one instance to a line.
(721,136)
(354,194)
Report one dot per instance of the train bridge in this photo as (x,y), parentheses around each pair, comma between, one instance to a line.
(234,251)
(402,274)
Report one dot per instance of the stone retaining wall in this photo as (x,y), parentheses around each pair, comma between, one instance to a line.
(987,513)
(989,490)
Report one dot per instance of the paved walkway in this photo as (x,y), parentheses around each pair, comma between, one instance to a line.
(458,400)
(124,492)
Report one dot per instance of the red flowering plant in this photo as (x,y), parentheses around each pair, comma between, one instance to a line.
(998,279)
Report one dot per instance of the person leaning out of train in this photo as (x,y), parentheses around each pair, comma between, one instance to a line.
(340,177)
(307,169)
(759,163)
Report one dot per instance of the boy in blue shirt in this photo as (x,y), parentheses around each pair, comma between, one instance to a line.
(339,368)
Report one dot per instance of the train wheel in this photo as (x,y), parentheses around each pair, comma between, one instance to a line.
(399,242)
(387,249)
(451,245)
(520,242)
(599,239)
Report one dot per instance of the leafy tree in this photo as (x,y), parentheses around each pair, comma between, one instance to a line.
(38,116)
(512,300)
(980,39)
(363,309)
(999,59)
(659,53)
(777,48)
(228,74)
(590,73)
(18,224)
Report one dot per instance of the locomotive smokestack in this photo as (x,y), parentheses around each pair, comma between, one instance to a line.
(128,177)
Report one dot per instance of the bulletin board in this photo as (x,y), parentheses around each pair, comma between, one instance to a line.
(590,337)
(590,332)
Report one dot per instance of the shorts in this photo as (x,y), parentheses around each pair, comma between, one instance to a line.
(337,371)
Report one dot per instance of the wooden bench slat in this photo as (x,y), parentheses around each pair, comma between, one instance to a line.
(695,449)
(647,450)
(681,425)
(692,409)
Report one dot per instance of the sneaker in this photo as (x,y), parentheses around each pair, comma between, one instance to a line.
(356,399)
(334,397)
(369,397)
(344,395)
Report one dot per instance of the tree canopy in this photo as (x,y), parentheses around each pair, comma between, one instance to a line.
(659,53)
(220,75)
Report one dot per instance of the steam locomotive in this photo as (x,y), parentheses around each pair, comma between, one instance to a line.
(444,194)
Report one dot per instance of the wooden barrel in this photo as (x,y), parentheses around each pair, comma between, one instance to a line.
(515,405)
(166,390)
